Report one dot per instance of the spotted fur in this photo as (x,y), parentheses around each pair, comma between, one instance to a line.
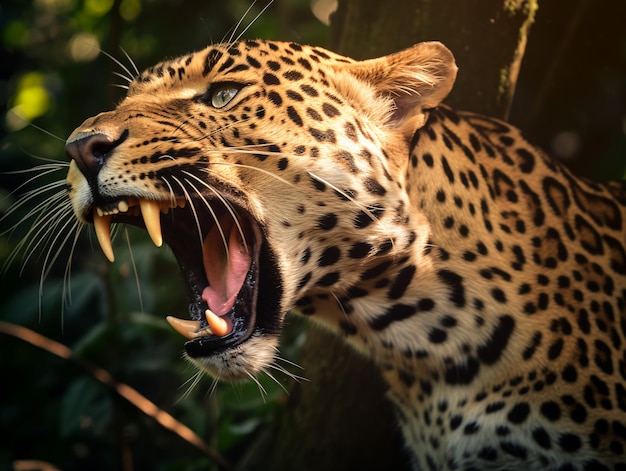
(486,281)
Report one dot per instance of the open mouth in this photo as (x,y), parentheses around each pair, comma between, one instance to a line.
(221,252)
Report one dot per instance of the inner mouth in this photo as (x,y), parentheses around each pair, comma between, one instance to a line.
(218,247)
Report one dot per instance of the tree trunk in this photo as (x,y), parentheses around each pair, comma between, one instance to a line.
(488,39)
(340,419)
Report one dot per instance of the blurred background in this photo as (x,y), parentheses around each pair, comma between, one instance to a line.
(57,67)
(53,75)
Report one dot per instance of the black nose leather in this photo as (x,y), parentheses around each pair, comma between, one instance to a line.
(90,153)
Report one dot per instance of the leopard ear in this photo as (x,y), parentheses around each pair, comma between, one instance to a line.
(415,79)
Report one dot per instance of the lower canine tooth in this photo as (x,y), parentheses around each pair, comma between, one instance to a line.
(102,224)
(219,325)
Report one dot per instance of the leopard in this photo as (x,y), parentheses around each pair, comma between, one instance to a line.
(486,282)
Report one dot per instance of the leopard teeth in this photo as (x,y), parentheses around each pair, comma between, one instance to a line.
(186,328)
(191,329)
(151,213)
(219,325)
(122,207)
(102,224)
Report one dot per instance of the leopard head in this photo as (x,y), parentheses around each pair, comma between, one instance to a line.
(275,172)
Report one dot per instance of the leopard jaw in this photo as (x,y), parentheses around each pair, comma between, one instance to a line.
(150,211)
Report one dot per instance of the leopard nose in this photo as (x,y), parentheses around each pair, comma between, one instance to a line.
(91,151)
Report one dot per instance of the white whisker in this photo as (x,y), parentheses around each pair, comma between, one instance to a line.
(132,262)
(214,383)
(213,215)
(238,24)
(262,390)
(51,255)
(171,190)
(38,128)
(50,258)
(51,165)
(28,196)
(193,382)
(178,128)
(192,207)
(47,169)
(132,62)
(274,365)
(40,230)
(253,20)
(251,167)
(366,208)
(128,76)
(226,203)
(67,280)
(290,363)
(345,314)
(220,130)
(273,378)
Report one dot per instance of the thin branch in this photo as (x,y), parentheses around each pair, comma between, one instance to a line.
(130,394)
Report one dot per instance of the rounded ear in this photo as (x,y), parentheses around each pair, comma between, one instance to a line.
(415,79)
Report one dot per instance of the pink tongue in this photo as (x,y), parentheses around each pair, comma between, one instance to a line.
(225,267)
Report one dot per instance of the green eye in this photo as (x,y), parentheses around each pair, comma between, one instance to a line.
(223,94)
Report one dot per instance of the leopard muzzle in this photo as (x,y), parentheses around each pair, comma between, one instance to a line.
(232,279)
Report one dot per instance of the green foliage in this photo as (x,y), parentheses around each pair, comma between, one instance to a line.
(85,405)
(53,75)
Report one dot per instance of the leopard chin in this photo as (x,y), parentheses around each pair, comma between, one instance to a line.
(233,282)
(241,361)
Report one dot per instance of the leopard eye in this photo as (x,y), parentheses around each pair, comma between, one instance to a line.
(223,94)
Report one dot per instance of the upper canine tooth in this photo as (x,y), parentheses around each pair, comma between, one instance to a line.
(102,224)
(150,211)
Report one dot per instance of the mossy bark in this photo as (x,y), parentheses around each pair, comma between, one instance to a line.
(488,39)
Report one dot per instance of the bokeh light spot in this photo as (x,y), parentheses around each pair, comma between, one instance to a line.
(84,47)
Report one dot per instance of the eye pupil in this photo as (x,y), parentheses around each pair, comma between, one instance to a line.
(223,95)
